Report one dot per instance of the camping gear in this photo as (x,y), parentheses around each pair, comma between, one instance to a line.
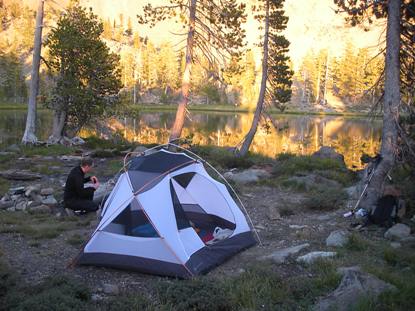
(385,213)
(162,217)
(370,174)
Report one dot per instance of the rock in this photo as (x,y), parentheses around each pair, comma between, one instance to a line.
(297,227)
(273,213)
(354,285)
(280,256)
(40,209)
(326,152)
(140,149)
(110,289)
(46,191)
(6,204)
(311,180)
(260,227)
(32,204)
(77,141)
(96,297)
(337,238)
(324,217)
(313,256)
(16,191)
(247,176)
(19,175)
(50,200)
(13,148)
(70,158)
(395,244)
(31,190)
(21,205)
(398,232)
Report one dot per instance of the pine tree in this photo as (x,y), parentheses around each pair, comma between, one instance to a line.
(213,30)
(87,73)
(276,73)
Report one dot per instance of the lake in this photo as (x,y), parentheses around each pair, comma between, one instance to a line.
(299,134)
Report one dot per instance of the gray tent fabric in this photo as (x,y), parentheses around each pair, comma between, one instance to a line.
(167,216)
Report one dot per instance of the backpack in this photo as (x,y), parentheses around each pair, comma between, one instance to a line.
(385,213)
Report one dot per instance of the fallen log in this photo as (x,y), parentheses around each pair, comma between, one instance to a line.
(19,175)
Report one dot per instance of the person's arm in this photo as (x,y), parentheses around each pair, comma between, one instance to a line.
(82,192)
(87,179)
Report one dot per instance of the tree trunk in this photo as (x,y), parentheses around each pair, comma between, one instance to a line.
(29,136)
(59,121)
(326,78)
(390,107)
(181,109)
(260,103)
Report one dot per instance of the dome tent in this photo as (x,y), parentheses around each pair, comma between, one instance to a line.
(167,216)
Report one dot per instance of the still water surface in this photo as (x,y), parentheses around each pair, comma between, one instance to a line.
(295,134)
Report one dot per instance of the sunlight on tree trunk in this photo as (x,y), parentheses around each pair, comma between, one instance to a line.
(260,104)
(181,109)
(29,136)
(390,106)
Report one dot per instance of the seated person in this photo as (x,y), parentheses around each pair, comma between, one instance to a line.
(76,196)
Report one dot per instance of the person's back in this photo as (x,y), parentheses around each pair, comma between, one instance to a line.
(76,196)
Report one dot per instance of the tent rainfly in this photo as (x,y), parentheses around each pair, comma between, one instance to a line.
(167,216)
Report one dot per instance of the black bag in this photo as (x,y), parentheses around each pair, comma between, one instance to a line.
(386,210)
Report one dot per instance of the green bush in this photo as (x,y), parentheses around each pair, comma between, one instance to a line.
(198,294)
(356,243)
(325,199)
(134,301)
(258,288)
(58,293)
(289,165)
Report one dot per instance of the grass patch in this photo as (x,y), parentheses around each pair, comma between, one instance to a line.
(130,302)
(56,293)
(196,294)
(118,143)
(289,165)
(225,158)
(4,186)
(325,199)
(356,243)
(112,167)
(37,226)
(52,150)
(76,240)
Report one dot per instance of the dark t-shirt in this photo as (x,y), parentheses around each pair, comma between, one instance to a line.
(74,188)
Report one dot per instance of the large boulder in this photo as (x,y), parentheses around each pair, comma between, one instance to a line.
(281,255)
(398,232)
(326,152)
(337,238)
(247,176)
(313,256)
(354,285)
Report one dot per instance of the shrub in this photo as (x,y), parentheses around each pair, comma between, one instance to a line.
(197,294)
(325,199)
(126,303)
(259,288)
(356,243)
(58,293)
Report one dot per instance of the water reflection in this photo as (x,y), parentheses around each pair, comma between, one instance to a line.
(295,134)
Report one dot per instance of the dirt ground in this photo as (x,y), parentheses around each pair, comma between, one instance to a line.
(36,260)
